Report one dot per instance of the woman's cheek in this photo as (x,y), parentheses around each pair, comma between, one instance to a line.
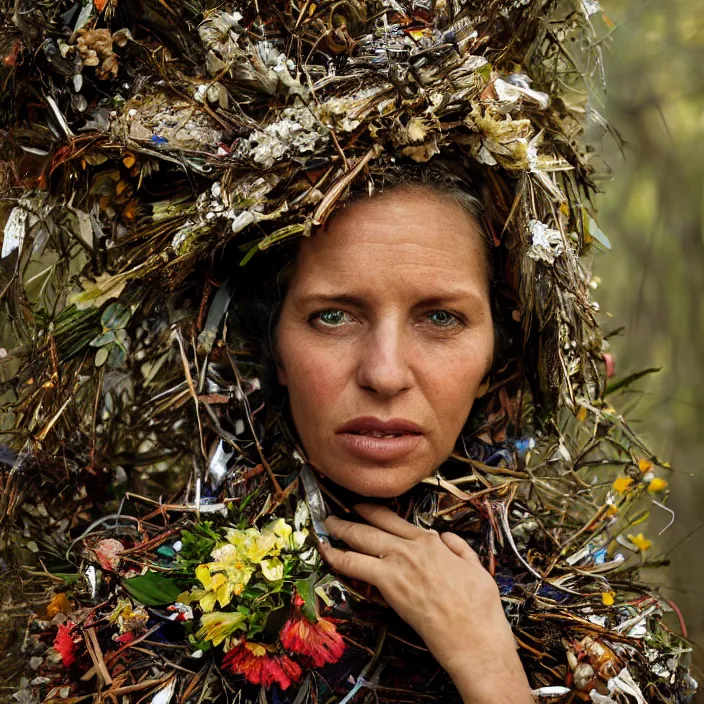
(455,382)
(317,376)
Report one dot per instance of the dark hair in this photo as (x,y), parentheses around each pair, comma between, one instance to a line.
(261,288)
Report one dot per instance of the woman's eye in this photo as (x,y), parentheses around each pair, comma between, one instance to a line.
(443,319)
(332,318)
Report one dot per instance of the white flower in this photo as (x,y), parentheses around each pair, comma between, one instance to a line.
(225,553)
(590,7)
(241,220)
(310,557)
(298,539)
(15,229)
(302,516)
(272,569)
(512,93)
(547,244)
(298,131)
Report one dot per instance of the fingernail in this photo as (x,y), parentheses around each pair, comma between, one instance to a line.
(323,540)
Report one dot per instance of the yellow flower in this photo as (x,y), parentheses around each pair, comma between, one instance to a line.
(243,540)
(236,567)
(220,580)
(622,484)
(644,465)
(279,527)
(215,588)
(272,569)
(266,545)
(656,485)
(235,562)
(258,649)
(253,546)
(275,537)
(184,598)
(127,617)
(640,541)
(59,604)
(607,598)
(218,626)
(123,605)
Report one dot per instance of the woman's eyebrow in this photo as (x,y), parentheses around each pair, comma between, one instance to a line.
(463,296)
(468,295)
(328,298)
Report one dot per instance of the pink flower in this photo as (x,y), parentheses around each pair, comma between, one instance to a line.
(108,553)
(65,643)
(258,665)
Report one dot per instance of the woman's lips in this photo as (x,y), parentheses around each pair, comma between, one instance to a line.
(376,449)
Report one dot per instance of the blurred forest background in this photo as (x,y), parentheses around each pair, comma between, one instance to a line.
(653,281)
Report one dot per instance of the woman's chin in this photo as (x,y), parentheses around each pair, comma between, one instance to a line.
(376,482)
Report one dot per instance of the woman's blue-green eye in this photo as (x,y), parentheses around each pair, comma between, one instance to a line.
(442,318)
(332,317)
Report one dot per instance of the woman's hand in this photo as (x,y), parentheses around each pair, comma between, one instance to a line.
(436,583)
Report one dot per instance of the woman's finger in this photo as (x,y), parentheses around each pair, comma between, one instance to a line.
(385,519)
(460,547)
(364,539)
(351,564)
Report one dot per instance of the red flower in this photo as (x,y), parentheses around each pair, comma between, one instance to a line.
(65,643)
(127,637)
(318,641)
(259,666)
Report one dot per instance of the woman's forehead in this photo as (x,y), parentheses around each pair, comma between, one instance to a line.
(407,234)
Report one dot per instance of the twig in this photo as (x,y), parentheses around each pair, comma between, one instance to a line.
(96,655)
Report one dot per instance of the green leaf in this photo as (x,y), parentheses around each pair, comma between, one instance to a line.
(249,254)
(101,355)
(103,339)
(243,504)
(281,234)
(117,356)
(257,623)
(305,590)
(152,589)
(68,577)
(625,382)
(254,591)
(70,318)
(197,544)
(115,316)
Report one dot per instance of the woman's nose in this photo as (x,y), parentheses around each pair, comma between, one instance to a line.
(383,364)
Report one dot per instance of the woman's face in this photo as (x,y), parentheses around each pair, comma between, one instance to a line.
(384,337)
